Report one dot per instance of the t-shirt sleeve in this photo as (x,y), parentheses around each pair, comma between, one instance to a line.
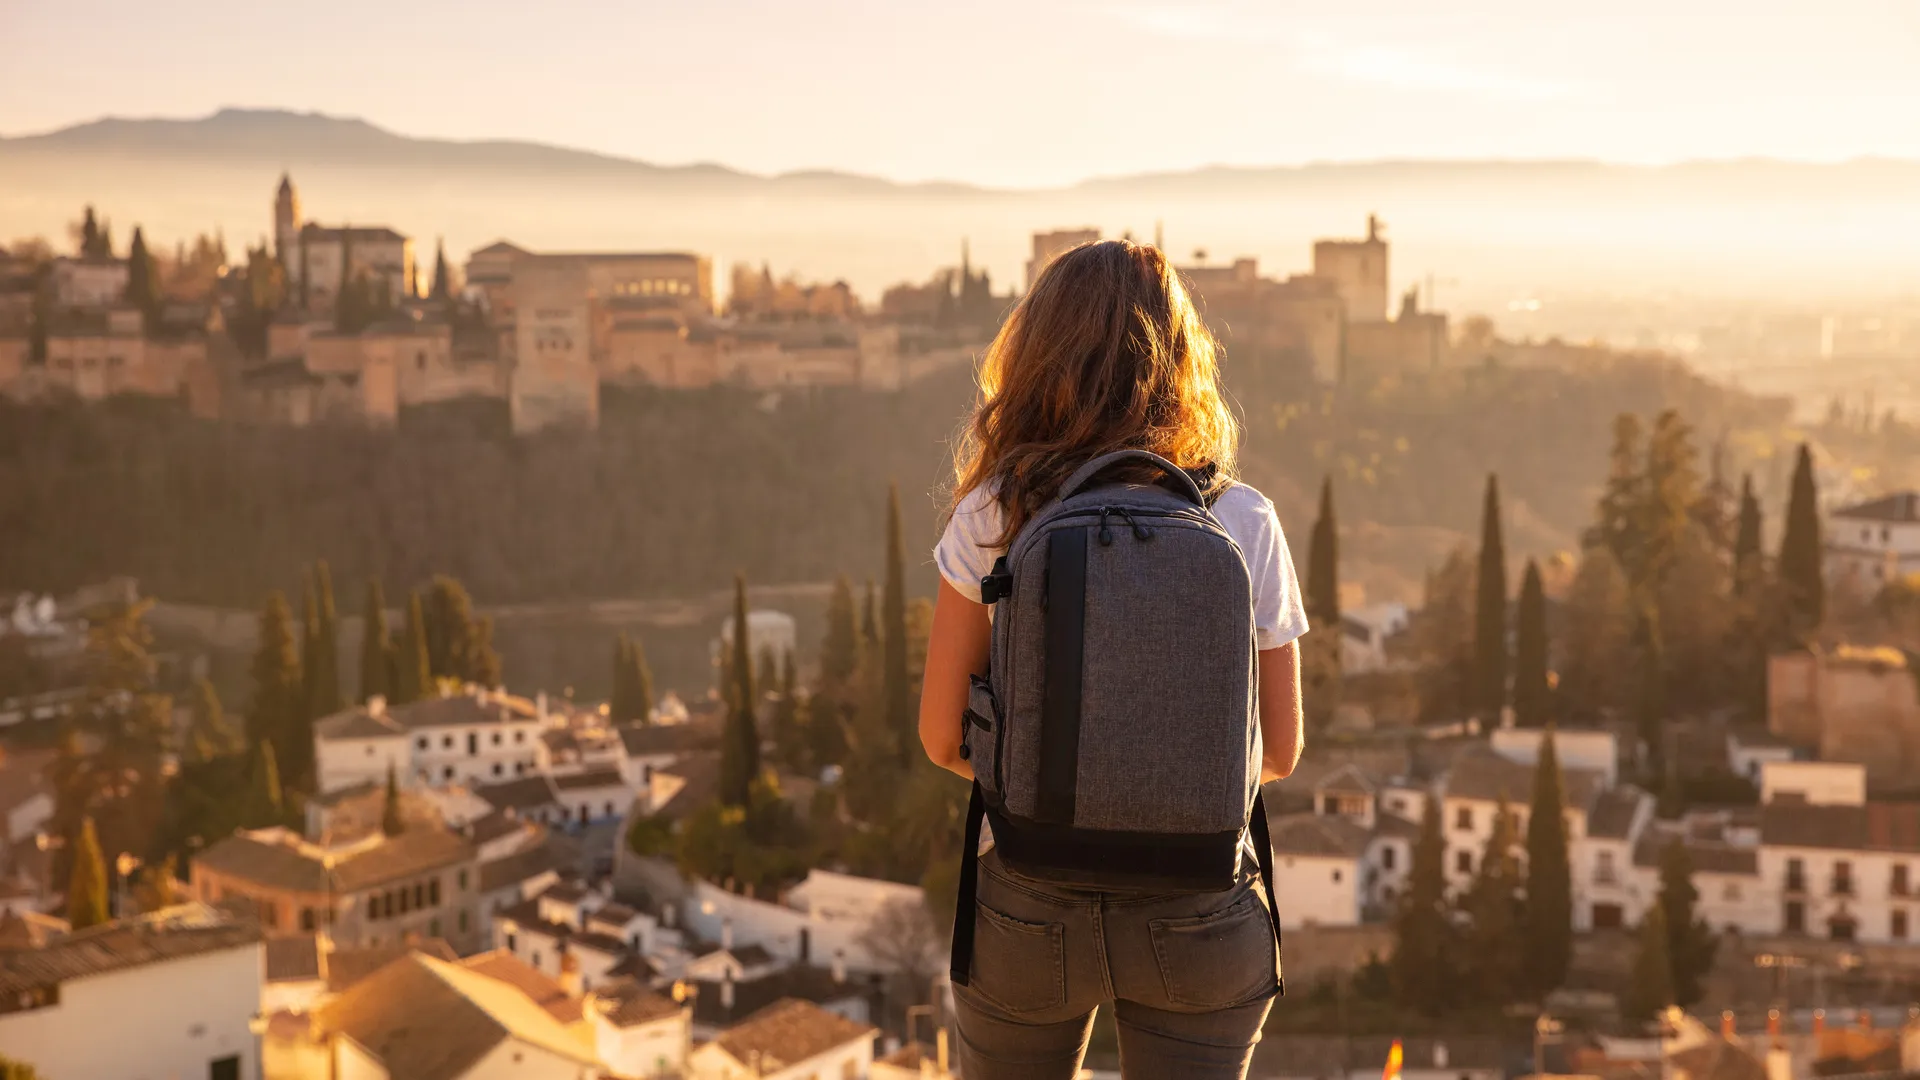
(965,552)
(1279,616)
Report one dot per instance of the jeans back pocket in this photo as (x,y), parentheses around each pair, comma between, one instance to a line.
(1218,960)
(1019,966)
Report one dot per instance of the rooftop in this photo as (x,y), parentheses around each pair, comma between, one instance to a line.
(626,1003)
(788,1032)
(174,933)
(426,1019)
(1614,812)
(545,992)
(553,852)
(526,793)
(597,776)
(1480,773)
(1902,507)
(279,859)
(667,739)
(1328,835)
(470,706)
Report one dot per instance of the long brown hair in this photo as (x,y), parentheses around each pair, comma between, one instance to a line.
(1104,353)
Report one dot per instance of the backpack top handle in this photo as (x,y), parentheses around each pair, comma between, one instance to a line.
(1084,475)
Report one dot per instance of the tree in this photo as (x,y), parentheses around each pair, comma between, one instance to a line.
(391,823)
(1650,700)
(90,235)
(1746,544)
(17,1070)
(870,618)
(1492,907)
(376,647)
(275,714)
(1321,659)
(740,748)
(903,938)
(901,719)
(209,735)
(789,732)
(620,702)
(1443,636)
(1621,519)
(459,646)
(323,684)
(1490,612)
(1547,926)
(157,885)
(143,281)
(1670,495)
(1800,554)
(1651,987)
(483,663)
(412,668)
(442,285)
(87,883)
(640,682)
(309,641)
(1532,689)
(840,649)
(266,801)
(1421,929)
(1599,637)
(1691,945)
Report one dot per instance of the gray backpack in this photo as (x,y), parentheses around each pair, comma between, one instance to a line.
(1115,743)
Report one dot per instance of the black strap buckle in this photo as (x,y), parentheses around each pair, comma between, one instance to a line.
(998,584)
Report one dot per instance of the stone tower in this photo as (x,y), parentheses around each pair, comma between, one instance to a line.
(286,220)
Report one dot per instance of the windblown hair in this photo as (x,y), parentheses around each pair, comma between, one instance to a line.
(1106,352)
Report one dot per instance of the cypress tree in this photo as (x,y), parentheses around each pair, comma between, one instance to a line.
(1691,945)
(788,734)
(89,234)
(376,646)
(412,672)
(1800,554)
(1323,564)
(325,684)
(266,801)
(1746,543)
(87,882)
(309,640)
(840,650)
(640,682)
(1547,939)
(1419,970)
(1621,516)
(1651,987)
(483,662)
(870,618)
(143,285)
(1671,494)
(273,717)
(620,703)
(1532,693)
(1650,698)
(740,750)
(1490,613)
(391,823)
(897,681)
(1492,906)
(442,286)
(768,673)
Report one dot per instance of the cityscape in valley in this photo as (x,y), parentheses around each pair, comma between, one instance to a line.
(501,658)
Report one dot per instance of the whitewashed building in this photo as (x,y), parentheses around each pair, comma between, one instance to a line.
(788,1040)
(1874,542)
(475,736)
(169,994)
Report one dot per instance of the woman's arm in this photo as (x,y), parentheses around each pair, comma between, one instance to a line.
(956,649)
(1282,722)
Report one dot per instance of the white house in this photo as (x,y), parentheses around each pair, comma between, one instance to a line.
(1364,633)
(1874,542)
(476,736)
(788,1040)
(595,794)
(1819,783)
(1479,783)
(639,1033)
(1318,866)
(169,994)
(1607,893)
(768,632)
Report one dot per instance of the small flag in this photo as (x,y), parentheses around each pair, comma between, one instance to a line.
(1394,1057)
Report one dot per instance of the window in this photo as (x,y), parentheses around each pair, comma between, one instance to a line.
(519,768)
(513,943)
(1899,885)
(446,742)
(1603,872)
(1897,926)
(447,772)
(1387,856)
(473,743)
(463,920)
(1336,876)
(306,919)
(1731,893)
(1463,818)
(421,742)
(1796,875)
(369,751)
(1842,878)
(497,769)
(609,807)
(226,1068)
(433,893)
(1795,921)
(419,895)
(1463,861)
(519,737)
(462,879)
(535,959)
(496,738)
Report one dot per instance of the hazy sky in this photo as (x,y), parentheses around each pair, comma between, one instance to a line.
(1016,93)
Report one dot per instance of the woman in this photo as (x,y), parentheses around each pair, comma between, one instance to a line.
(1106,353)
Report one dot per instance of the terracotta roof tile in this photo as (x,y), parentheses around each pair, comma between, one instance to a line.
(788,1032)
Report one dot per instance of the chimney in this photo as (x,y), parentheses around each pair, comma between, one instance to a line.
(1727,1028)
(376,705)
(570,974)
(839,965)
(726,992)
(1819,1022)
(726,933)
(1773,1027)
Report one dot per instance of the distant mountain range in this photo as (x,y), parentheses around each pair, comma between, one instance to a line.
(284,138)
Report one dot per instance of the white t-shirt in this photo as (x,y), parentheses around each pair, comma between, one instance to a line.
(964,555)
